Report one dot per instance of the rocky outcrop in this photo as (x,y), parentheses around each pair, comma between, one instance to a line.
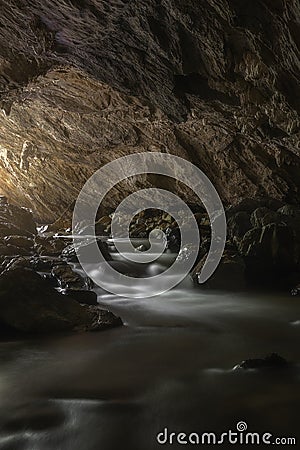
(31,266)
(28,304)
(230,274)
(262,247)
(84,82)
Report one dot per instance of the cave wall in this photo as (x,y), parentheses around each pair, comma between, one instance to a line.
(83,82)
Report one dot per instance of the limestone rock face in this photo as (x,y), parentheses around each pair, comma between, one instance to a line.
(83,82)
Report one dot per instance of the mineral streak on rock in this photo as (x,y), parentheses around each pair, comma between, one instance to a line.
(83,82)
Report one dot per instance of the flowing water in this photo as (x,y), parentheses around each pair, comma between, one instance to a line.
(169,366)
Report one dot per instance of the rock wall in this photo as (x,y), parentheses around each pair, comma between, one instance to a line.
(83,82)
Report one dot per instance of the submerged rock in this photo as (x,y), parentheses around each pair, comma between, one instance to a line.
(270,362)
(28,304)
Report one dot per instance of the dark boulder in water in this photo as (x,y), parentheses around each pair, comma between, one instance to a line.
(82,296)
(29,304)
(68,279)
(270,362)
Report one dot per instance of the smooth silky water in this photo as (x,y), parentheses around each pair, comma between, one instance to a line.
(169,366)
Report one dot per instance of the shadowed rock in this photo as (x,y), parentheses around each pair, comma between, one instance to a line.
(270,362)
(29,304)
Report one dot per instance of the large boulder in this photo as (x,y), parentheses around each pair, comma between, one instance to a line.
(270,251)
(230,274)
(68,279)
(28,304)
(82,296)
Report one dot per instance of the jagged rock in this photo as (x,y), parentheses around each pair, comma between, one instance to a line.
(16,246)
(238,225)
(16,221)
(67,278)
(83,248)
(296,290)
(16,262)
(173,239)
(102,319)
(85,297)
(250,239)
(290,211)
(11,250)
(205,80)
(28,304)
(251,204)
(49,246)
(45,264)
(19,241)
(264,216)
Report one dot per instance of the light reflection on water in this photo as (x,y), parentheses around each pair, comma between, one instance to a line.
(169,366)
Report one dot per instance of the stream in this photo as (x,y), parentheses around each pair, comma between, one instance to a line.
(170,366)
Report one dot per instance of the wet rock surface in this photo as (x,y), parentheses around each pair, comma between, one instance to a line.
(264,240)
(262,248)
(82,296)
(230,274)
(83,249)
(31,267)
(270,362)
(29,304)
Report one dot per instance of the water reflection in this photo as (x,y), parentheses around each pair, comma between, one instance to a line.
(170,366)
